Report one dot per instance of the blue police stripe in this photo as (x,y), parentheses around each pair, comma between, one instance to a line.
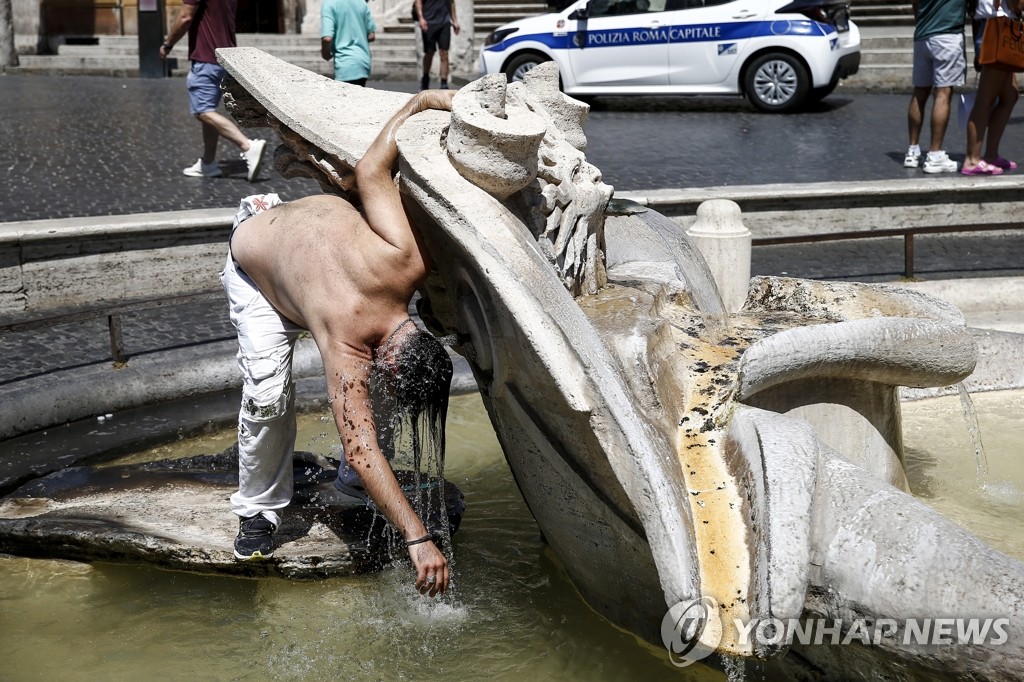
(683,33)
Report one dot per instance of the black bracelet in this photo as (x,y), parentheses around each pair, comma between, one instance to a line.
(425,538)
(167,47)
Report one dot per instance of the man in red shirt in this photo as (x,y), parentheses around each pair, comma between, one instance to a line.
(210,24)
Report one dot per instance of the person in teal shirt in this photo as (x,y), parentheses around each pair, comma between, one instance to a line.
(346,31)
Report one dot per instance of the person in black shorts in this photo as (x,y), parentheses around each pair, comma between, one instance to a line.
(435,18)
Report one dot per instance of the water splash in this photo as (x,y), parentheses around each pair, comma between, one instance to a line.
(974,431)
(735,668)
(692,269)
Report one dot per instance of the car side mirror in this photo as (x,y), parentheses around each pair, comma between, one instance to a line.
(580,14)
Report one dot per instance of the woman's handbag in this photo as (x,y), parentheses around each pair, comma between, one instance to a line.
(1002,45)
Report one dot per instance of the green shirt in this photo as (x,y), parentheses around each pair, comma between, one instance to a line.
(347,23)
(939,16)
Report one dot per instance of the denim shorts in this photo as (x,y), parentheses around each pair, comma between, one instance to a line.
(204,91)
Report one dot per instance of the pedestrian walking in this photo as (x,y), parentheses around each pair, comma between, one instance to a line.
(210,24)
(347,29)
(994,100)
(437,19)
(940,64)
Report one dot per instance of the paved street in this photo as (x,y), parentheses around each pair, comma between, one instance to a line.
(78,146)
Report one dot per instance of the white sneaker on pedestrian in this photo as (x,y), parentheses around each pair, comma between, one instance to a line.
(913,157)
(939,162)
(202,170)
(253,158)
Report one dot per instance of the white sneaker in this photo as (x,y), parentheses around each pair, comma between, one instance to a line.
(202,170)
(939,162)
(913,158)
(254,157)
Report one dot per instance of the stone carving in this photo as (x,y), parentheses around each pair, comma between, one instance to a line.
(527,137)
(670,452)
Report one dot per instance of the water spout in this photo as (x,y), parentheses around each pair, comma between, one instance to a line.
(974,431)
(692,269)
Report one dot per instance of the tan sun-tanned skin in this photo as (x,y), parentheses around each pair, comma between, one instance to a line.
(348,279)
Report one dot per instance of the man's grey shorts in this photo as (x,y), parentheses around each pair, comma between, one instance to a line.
(940,61)
(203,84)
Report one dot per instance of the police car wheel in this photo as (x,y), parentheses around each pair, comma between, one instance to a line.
(776,82)
(520,64)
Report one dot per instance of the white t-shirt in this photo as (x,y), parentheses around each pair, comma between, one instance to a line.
(988,9)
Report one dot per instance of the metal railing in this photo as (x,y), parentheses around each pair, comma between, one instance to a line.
(112,311)
(908,234)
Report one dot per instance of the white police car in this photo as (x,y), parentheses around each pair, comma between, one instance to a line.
(781,54)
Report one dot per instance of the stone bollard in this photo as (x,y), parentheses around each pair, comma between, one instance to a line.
(725,243)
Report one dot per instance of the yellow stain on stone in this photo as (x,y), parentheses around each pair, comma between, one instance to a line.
(716,501)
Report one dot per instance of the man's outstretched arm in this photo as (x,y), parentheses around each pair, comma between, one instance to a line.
(381,200)
(348,377)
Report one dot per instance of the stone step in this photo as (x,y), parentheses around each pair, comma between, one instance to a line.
(495,18)
(389,64)
(882,11)
(519,9)
(887,56)
(884,21)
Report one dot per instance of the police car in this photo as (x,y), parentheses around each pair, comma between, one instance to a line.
(780,54)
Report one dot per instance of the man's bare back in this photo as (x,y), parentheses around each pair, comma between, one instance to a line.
(322,266)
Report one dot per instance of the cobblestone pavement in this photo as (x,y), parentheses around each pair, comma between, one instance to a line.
(77,146)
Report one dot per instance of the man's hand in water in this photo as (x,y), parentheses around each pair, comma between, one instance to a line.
(431,568)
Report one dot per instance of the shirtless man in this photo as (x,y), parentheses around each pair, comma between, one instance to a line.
(318,264)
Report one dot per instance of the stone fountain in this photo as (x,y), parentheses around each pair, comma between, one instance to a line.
(672,448)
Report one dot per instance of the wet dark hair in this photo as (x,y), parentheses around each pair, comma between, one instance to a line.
(410,381)
(417,369)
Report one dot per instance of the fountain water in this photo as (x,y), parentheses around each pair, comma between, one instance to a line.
(971,421)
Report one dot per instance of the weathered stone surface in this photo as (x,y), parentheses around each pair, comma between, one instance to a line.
(175,514)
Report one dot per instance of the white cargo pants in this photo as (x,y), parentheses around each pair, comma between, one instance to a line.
(266,421)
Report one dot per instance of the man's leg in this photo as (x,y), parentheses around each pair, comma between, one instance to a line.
(444,40)
(443,65)
(204,94)
(940,117)
(915,113)
(950,70)
(922,82)
(428,61)
(266,421)
(217,125)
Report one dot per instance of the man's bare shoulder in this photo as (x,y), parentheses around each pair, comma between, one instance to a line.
(318,205)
